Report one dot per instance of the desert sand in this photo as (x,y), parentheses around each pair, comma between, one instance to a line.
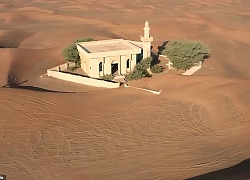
(197,128)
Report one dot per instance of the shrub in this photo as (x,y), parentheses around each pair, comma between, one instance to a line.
(185,54)
(140,70)
(137,74)
(108,77)
(71,53)
(156,69)
(72,68)
(146,63)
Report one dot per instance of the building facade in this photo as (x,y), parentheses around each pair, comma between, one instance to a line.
(116,56)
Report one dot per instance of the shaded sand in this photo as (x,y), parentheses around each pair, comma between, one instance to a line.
(236,172)
(195,127)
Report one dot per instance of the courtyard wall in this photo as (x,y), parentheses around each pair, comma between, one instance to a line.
(55,72)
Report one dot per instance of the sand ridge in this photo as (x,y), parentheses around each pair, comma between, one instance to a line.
(197,125)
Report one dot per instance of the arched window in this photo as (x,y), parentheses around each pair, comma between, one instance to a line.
(128,63)
(100,66)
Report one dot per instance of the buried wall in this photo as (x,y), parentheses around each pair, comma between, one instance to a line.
(61,67)
(55,72)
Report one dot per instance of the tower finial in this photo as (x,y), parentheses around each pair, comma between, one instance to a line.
(146,24)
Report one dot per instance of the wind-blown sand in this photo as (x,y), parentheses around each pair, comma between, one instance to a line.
(196,126)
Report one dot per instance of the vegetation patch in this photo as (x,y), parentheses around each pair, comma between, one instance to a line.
(186,54)
(156,69)
(108,77)
(140,70)
(71,53)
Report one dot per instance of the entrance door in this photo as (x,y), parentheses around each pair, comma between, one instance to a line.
(114,68)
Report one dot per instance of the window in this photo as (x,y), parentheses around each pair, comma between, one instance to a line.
(100,66)
(128,63)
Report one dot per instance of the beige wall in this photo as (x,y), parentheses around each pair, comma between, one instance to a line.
(84,61)
(92,65)
(133,61)
(82,80)
(94,68)
(61,67)
(124,65)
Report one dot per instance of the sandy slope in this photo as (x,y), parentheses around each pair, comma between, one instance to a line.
(172,136)
(197,125)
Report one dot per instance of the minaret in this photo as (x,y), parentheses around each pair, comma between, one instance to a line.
(146,39)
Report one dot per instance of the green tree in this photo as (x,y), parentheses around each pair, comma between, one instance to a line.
(71,53)
(186,54)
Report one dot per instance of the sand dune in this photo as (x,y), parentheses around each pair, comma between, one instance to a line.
(155,138)
(6,5)
(52,129)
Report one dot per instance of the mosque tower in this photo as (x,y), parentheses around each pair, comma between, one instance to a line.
(146,39)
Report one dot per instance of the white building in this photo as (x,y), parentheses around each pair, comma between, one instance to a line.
(116,56)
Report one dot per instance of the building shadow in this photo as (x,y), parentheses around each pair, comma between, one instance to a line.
(240,171)
(34,88)
(162,47)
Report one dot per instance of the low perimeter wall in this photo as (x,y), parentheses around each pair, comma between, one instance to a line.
(61,67)
(192,70)
(53,72)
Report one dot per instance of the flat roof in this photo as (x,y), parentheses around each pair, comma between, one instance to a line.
(113,47)
(105,47)
(138,44)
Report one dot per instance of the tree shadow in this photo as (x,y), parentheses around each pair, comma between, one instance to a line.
(240,171)
(205,58)
(162,47)
(13,82)
(155,59)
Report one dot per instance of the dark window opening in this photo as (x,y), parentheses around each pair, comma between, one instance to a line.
(138,58)
(128,63)
(100,66)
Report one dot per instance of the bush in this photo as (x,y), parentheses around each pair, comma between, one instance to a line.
(72,68)
(146,63)
(71,53)
(156,69)
(137,74)
(140,70)
(185,54)
(108,77)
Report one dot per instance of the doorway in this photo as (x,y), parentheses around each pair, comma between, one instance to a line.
(114,68)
